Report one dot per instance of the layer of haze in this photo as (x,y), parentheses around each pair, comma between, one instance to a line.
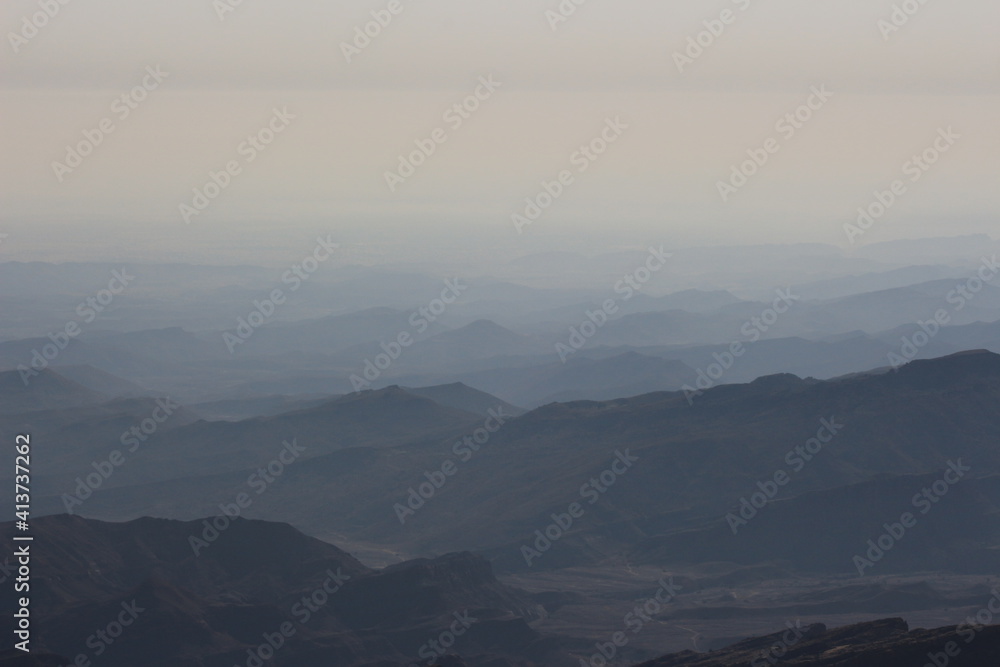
(352,121)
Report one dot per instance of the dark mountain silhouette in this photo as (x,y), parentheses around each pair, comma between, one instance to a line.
(583,378)
(949,340)
(871,312)
(478,340)
(335,333)
(463,397)
(235,409)
(695,301)
(824,359)
(436,495)
(103,382)
(895,433)
(244,583)
(383,418)
(834,288)
(148,354)
(831,527)
(690,300)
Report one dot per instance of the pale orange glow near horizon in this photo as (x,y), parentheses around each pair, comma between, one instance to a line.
(892,92)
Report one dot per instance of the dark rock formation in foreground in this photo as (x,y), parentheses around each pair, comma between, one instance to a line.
(885,643)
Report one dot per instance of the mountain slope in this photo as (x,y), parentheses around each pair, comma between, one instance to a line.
(691,465)
(583,378)
(463,397)
(46,390)
(210,603)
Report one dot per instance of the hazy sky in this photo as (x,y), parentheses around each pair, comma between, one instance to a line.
(352,121)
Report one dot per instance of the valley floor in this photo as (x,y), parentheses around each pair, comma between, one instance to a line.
(707,614)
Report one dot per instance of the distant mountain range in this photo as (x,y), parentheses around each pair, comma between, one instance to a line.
(364,454)
(788,478)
